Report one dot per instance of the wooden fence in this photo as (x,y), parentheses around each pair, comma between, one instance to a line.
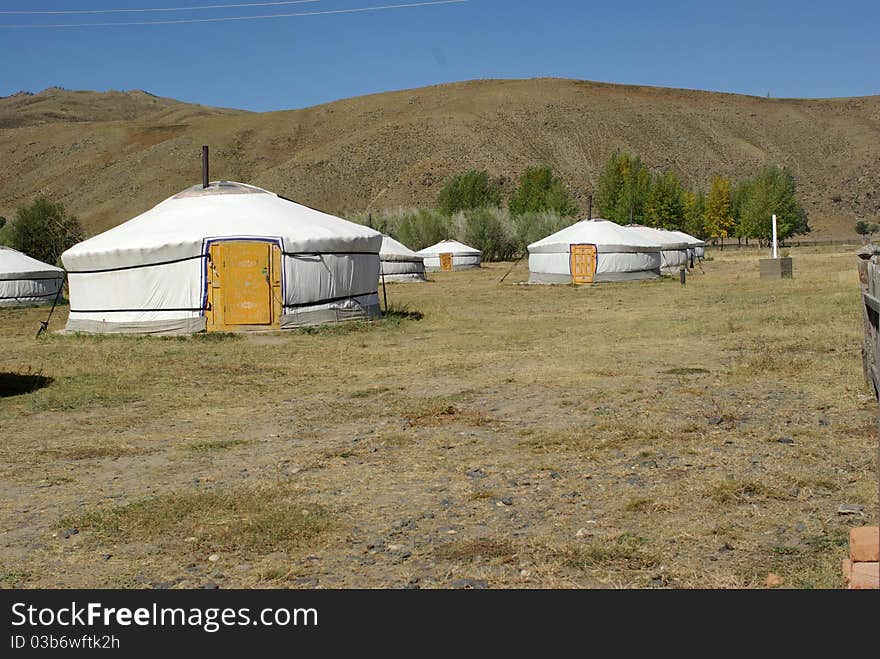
(869,280)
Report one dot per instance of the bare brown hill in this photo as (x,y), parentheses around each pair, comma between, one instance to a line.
(56,105)
(126,151)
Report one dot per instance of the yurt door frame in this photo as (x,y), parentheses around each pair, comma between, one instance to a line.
(244,285)
(446,262)
(583,264)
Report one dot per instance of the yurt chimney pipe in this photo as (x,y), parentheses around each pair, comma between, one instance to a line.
(590,208)
(205,178)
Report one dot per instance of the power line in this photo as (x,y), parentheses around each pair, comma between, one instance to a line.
(42,12)
(233,18)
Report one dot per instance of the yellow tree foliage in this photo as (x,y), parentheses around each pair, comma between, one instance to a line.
(719,218)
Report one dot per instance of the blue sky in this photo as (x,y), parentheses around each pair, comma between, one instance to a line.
(785,48)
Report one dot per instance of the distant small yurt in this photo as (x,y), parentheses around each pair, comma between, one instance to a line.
(696,247)
(398,262)
(673,247)
(450,255)
(593,251)
(25,281)
(226,257)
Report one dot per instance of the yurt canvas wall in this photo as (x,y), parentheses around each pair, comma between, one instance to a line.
(450,255)
(593,251)
(224,258)
(399,263)
(673,248)
(696,246)
(25,281)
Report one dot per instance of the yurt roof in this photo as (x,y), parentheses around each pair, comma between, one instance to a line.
(607,236)
(667,239)
(392,250)
(178,228)
(15,265)
(448,247)
(691,240)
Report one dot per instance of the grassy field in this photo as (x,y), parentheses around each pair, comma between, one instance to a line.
(622,435)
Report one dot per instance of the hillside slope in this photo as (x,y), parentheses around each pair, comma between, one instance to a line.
(121,156)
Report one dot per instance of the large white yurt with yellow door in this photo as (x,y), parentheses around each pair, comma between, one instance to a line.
(227,257)
(25,281)
(593,251)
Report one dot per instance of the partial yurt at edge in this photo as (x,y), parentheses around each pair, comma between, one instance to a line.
(450,255)
(673,247)
(696,247)
(398,262)
(226,257)
(25,281)
(593,251)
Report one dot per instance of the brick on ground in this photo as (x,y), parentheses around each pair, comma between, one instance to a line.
(864,544)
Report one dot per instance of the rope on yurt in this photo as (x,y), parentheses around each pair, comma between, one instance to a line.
(44,324)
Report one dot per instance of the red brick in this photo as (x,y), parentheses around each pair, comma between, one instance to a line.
(865,576)
(847,571)
(864,544)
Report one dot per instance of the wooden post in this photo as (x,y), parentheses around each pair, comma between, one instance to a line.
(205,179)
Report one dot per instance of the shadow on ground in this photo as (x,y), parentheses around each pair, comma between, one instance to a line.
(16,384)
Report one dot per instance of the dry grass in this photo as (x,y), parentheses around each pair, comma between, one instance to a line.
(247,520)
(610,436)
(474,550)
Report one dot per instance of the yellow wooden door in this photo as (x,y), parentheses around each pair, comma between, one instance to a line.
(583,263)
(446,262)
(244,285)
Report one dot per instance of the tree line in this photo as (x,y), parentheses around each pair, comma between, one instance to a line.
(628,192)
(470,207)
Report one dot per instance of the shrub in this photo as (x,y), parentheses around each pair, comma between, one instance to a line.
(485,229)
(44,230)
(422,228)
(531,227)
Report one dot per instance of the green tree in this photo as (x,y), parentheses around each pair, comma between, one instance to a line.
(44,230)
(665,206)
(623,188)
(694,214)
(772,191)
(539,190)
(719,219)
(470,189)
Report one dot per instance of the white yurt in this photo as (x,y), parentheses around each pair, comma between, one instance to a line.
(226,257)
(398,262)
(673,247)
(25,281)
(593,251)
(450,255)
(696,247)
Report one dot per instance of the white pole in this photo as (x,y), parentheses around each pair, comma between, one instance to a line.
(775,249)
